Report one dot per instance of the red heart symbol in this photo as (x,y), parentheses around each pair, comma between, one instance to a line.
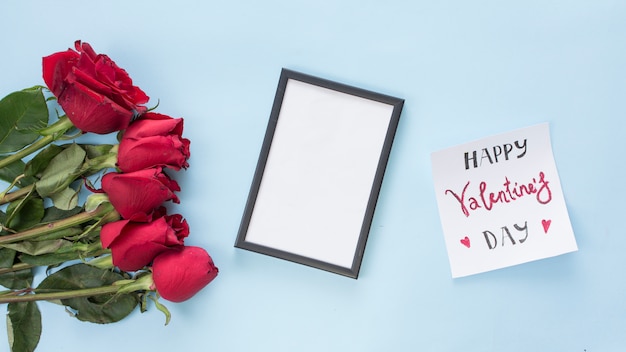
(546,225)
(466,242)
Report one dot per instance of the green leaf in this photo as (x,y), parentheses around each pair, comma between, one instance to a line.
(24,213)
(66,199)
(53,214)
(23,326)
(38,247)
(99,157)
(95,200)
(97,150)
(162,308)
(50,259)
(61,171)
(3,220)
(101,309)
(12,171)
(40,161)
(17,280)
(23,114)
(7,257)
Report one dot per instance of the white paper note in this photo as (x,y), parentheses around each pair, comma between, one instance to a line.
(500,202)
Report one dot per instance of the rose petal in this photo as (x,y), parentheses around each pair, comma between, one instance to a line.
(179,274)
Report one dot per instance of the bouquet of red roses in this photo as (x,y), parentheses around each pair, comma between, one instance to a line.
(111,251)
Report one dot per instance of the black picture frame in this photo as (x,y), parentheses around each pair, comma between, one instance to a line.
(319,173)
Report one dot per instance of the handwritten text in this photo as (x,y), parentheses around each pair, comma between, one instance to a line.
(492,154)
(509,192)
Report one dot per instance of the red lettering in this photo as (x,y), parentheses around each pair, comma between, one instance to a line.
(544,189)
(460,199)
(509,193)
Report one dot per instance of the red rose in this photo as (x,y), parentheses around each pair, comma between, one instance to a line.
(134,244)
(135,195)
(180,273)
(153,140)
(96,94)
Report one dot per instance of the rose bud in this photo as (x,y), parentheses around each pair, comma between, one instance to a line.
(135,195)
(153,140)
(180,273)
(134,244)
(96,94)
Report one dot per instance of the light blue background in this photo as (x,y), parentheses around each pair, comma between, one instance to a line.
(466,70)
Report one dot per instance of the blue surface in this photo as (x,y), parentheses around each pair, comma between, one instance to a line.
(466,70)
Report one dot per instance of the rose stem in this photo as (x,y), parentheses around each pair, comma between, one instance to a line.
(87,292)
(51,133)
(102,210)
(124,286)
(17,194)
(16,267)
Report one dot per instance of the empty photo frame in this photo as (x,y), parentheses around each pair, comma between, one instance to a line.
(319,173)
